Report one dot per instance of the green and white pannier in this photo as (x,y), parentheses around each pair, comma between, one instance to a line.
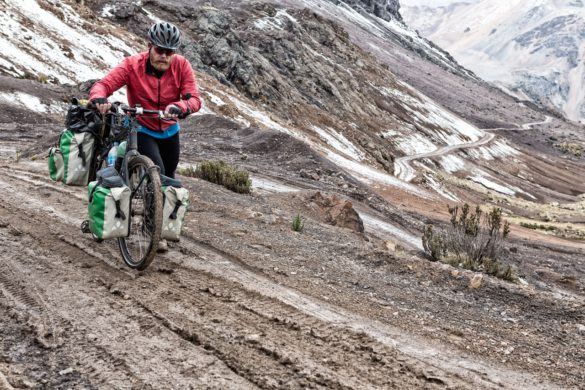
(71,160)
(56,164)
(109,205)
(176,201)
(77,150)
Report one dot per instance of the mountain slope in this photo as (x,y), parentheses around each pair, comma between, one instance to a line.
(531,48)
(331,109)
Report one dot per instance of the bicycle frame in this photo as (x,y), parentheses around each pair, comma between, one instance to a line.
(120,119)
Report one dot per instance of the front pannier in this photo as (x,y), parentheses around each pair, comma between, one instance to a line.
(109,205)
(176,201)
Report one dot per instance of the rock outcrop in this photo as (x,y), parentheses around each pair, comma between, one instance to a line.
(337,211)
(385,9)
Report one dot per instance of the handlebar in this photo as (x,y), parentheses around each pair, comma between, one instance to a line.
(133,111)
(141,111)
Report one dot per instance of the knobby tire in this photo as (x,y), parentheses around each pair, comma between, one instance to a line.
(139,248)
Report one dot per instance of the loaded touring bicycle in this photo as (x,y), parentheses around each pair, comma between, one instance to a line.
(128,198)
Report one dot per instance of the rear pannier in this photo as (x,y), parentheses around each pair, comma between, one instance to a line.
(56,164)
(109,205)
(77,151)
(72,158)
(176,201)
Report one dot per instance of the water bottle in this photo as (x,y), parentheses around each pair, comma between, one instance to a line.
(112,154)
(120,158)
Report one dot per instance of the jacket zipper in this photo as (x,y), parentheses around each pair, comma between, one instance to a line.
(158,106)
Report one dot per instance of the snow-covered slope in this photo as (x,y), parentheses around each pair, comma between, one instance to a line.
(531,47)
(53,42)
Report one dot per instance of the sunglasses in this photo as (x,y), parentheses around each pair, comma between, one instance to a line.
(160,51)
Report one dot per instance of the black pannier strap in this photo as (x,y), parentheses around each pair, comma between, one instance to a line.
(81,154)
(99,182)
(175,210)
(119,213)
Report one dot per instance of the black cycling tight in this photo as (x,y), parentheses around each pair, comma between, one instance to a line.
(162,152)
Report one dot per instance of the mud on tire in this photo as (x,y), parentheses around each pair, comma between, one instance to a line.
(139,248)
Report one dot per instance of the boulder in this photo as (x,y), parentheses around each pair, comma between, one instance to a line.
(337,211)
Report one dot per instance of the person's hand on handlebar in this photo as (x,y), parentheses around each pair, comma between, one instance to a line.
(102,104)
(173,112)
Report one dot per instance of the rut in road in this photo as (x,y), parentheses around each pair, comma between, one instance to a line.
(121,324)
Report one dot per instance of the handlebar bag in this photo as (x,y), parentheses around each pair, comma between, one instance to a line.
(56,164)
(176,201)
(77,150)
(108,208)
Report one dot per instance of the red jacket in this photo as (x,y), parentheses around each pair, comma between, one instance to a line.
(176,86)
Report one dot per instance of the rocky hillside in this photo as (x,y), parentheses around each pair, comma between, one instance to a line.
(384,9)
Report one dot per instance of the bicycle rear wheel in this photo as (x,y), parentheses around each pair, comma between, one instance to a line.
(139,248)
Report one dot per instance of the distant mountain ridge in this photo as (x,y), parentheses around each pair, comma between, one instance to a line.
(531,48)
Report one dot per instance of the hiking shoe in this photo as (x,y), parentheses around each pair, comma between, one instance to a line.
(162,246)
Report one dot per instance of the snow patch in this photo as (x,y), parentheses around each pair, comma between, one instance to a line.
(438,122)
(360,170)
(498,149)
(264,118)
(276,22)
(412,144)
(60,49)
(108,11)
(271,185)
(215,99)
(491,185)
(151,16)
(370,175)
(340,143)
(377,226)
(32,103)
(451,163)
(438,188)
(389,134)
(204,110)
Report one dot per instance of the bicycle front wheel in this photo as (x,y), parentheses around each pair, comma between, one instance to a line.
(139,248)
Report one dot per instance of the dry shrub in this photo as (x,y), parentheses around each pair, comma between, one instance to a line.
(473,240)
(220,172)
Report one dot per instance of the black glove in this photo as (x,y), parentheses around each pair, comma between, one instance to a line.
(174,110)
(100,100)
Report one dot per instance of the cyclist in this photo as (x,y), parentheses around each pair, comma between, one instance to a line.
(158,79)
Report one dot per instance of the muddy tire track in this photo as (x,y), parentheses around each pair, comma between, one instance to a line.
(259,339)
(197,304)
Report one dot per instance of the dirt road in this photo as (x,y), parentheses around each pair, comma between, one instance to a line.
(76,317)
(73,316)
